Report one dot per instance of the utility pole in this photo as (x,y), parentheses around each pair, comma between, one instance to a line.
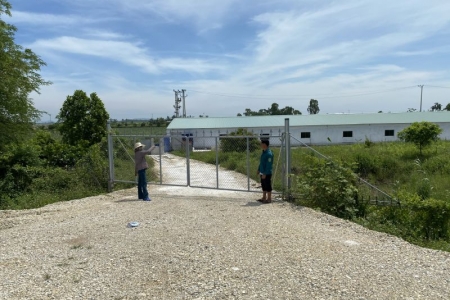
(184,102)
(421,94)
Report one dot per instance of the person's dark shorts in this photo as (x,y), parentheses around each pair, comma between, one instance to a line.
(266,184)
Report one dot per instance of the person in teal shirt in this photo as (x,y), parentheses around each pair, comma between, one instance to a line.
(265,172)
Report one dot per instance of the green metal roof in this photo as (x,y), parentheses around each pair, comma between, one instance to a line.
(309,120)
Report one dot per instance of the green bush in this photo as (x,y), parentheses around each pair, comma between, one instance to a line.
(331,188)
(92,168)
(424,188)
(365,164)
(42,170)
(426,219)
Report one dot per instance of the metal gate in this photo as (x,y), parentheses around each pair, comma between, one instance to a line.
(226,162)
(213,162)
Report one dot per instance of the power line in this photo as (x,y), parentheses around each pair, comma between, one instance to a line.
(441,87)
(253,96)
(369,93)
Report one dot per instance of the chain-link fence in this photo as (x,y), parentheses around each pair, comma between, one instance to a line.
(230,162)
(224,162)
(307,160)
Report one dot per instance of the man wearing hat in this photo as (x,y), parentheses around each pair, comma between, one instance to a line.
(140,167)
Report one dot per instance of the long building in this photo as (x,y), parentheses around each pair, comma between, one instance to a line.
(317,129)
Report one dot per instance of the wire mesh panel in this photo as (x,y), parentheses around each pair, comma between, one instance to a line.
(174,162)
(226,162)
(123,158)
(231,163)
(234,161)
(315,170)
(203,170)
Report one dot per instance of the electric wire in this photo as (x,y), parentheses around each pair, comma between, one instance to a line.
(322,96)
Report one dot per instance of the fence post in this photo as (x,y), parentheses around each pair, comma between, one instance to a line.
(248,164)
(217,162)
(287,157)
(188,170)
(160,161)
(110,157)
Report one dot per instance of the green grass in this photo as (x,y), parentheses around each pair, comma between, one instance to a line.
(392,167)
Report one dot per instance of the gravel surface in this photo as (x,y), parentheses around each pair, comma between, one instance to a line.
(205,244)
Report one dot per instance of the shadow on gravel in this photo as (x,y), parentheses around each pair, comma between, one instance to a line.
(196,198)
(127,200)
(252,204)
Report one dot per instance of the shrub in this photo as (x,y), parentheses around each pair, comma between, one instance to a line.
(419,218)
(92,168)
(365,164)
(368,143)
(332,188)
(424,189)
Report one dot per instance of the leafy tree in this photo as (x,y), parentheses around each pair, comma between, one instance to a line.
(239,115)
(248,112)
(83,119)
(273,110)
(289,111)
(160,122)
(313,107)
(19,76)
(436,107)
(421,134)
(447,108)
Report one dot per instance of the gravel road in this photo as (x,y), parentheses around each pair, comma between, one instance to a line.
(205,244)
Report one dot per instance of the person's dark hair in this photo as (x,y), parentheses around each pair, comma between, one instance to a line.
(265,142)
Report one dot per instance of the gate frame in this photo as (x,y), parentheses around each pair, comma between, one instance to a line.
(285,172)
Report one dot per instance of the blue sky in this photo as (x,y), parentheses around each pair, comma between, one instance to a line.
(353,56)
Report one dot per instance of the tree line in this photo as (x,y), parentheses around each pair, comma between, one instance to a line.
(435,107)
(275,109)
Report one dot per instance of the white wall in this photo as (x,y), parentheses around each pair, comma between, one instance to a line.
(375,133)
(204,138)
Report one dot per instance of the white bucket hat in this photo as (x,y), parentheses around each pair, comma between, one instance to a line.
(137,145)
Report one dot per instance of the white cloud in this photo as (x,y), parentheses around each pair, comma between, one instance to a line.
(294,42)
(44,19)
(296,50)
(132,54)
(104,34)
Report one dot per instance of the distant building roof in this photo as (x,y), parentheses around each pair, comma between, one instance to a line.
(309,120)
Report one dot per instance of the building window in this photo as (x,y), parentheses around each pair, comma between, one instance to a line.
(389,133)
(347,134)
(305,135)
